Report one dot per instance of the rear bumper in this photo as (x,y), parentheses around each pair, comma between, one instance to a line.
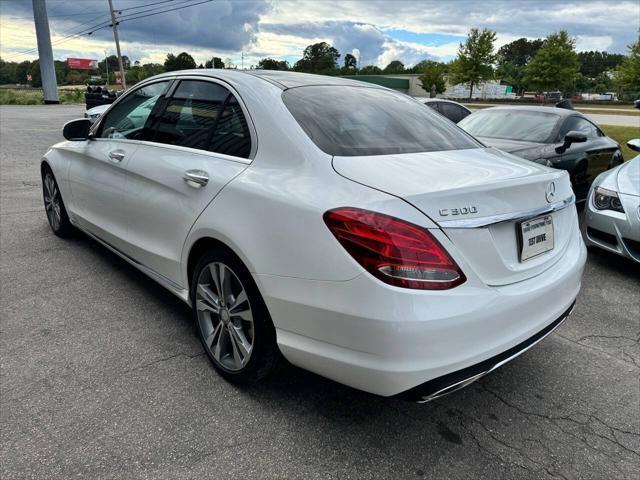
(454,381)
(387,340)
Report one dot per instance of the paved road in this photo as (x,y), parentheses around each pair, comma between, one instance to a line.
(621,120)
(102,377)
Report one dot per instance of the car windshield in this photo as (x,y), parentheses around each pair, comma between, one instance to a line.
(511,124)
(358,121)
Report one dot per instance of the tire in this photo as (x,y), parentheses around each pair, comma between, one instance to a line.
(236,333)
(54,206)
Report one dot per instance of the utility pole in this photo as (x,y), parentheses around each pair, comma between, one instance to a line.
(45,53)
(115,36)
(106,65)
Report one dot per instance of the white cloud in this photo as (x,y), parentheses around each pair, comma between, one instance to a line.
(585,43)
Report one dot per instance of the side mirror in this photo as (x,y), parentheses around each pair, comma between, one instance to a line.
(77,130)
(571,137)
(634,144)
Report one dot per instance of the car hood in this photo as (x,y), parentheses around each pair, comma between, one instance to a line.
(99,110)
(629,177)
(521,148)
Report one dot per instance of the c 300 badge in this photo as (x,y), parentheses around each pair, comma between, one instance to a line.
(445,212)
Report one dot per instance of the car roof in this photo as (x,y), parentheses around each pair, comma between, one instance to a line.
(280,79)
(563,112)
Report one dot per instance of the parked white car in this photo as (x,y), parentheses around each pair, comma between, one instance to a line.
(612,212)
(94,113)
(341,224)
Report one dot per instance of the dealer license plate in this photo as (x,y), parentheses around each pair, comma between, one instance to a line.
(536,237)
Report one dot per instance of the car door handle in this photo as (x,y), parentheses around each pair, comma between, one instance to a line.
(196,178)
(116,156)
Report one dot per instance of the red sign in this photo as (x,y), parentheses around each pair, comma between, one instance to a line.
(82,63)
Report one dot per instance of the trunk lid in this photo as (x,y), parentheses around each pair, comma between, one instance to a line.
(471,194)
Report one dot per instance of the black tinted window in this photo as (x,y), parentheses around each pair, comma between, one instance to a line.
(511,124)
(347,121)
(579,125)
(433,106)
(127,118)
(452,112)
(206,116)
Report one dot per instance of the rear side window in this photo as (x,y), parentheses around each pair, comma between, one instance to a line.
(352,121)
(433,106)
(452,112)
(205,116)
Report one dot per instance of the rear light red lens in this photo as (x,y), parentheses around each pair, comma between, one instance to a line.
(397,252)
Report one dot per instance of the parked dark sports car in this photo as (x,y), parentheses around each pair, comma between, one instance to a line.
(450,109)
(555,137)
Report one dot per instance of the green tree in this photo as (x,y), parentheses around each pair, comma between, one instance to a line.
(182,61)
(511,60)
(62,70)
(370,70)
(593,64)
(627,76)
(556,64)
(432,77)
(475,58)
(8,72)
(318,58)
(519,52)
(396,66)
(272,64)
(215,62)
(350,62)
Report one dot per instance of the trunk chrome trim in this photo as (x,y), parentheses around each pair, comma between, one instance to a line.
(507,217)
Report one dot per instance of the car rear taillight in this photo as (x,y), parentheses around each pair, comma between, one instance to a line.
(397,252)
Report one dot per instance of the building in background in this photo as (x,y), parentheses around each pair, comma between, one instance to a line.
(409,83)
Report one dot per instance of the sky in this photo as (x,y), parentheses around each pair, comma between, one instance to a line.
(245,31)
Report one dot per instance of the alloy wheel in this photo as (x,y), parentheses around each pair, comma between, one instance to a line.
(52,201)
(224,316)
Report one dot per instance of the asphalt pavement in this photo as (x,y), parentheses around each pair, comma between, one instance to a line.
(101,376)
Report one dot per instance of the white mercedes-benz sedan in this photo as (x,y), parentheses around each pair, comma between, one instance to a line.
(339,224)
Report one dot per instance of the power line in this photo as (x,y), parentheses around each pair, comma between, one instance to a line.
(108,24)
(145,5)
(127,18)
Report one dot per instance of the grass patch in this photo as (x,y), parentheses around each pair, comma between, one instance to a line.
(622,135)
(9,96)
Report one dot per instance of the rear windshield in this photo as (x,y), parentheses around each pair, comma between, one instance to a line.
(349,121)
(511,124)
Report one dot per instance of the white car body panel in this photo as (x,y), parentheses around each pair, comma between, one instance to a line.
(330,315)
(97,187)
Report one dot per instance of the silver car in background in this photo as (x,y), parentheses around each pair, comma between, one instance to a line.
(612,211)
(95,113)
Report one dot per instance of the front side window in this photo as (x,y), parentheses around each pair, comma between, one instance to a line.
(352,121)
(127,118)
(579,125)
(205,116)
(511,124)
